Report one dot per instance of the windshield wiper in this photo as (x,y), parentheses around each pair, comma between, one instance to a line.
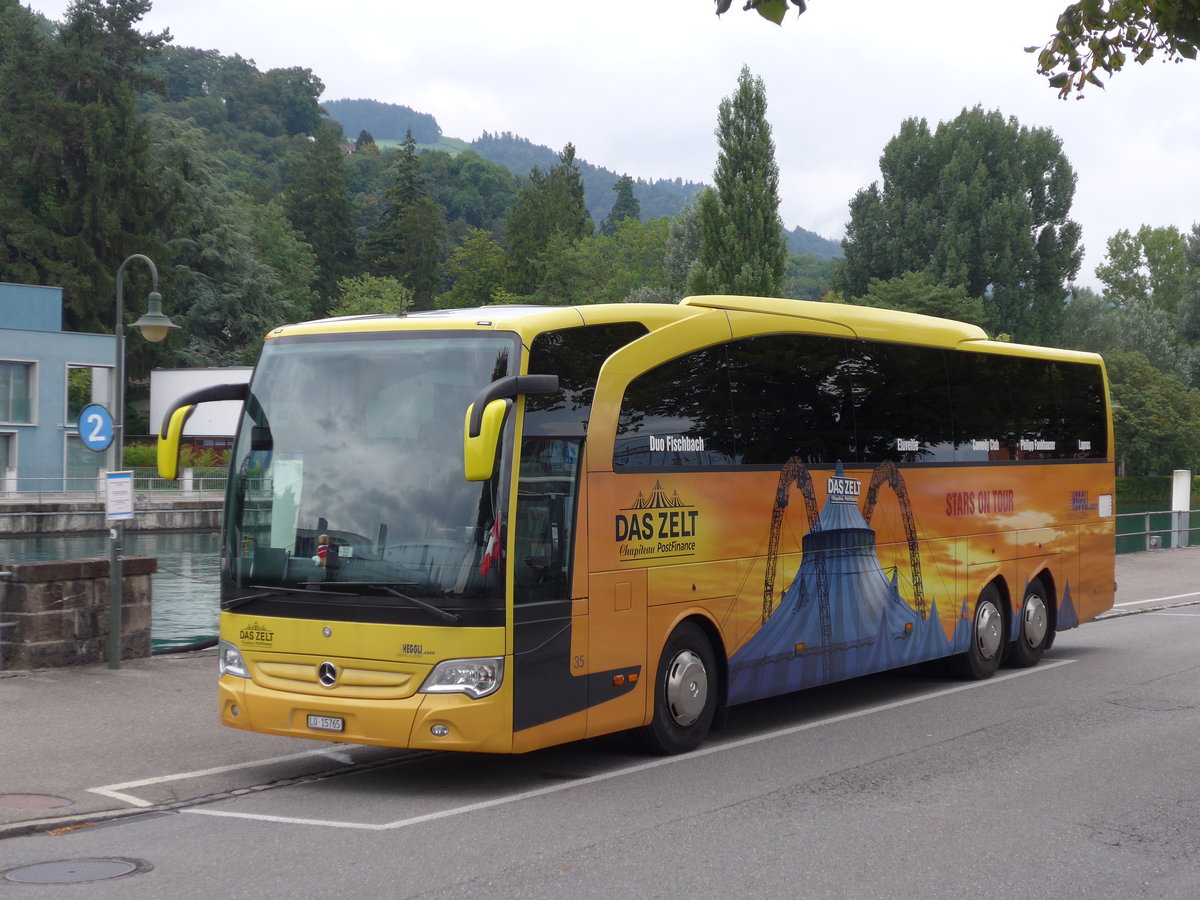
(266,590)
(437,612)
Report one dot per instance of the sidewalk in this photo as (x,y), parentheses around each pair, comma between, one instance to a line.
(64,733)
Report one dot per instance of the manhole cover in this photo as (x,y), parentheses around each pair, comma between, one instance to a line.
(32,801)
(75,871)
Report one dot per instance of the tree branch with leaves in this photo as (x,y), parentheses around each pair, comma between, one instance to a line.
(1093,36)
(1102,35)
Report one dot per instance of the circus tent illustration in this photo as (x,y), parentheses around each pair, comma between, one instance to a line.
(842,616)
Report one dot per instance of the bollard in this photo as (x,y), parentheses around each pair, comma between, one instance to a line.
(1181,501)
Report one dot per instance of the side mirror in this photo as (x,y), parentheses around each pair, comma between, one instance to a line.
(172,426)
(485,419)
(479,450)
(168,442)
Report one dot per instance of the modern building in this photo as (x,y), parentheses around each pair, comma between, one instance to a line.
(47,376)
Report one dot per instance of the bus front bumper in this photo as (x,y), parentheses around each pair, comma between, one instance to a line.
(422,721)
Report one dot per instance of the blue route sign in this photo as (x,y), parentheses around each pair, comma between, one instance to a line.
(96,427)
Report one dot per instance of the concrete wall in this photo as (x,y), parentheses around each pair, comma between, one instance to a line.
(59,612)
(79,516)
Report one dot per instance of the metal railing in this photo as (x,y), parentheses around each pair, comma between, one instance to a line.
(206,483)
(1160,530)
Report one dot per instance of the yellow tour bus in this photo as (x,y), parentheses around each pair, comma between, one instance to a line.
(505,528)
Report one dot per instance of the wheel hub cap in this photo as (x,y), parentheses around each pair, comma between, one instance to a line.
(687,688)
(1035,620)
(988,633)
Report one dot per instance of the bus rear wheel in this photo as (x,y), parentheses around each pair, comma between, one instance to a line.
(982,657)
(685,693)
(1030,644)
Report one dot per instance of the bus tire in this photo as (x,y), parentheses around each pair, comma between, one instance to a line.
(1033,627)
(685,693)
(986,649)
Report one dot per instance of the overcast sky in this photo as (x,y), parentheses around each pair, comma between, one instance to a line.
(635,84)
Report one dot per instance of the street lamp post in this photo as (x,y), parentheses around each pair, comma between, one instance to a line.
(154,327)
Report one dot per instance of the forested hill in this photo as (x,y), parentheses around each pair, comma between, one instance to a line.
(656,198)
(803,241)
(665,197)
(383,121)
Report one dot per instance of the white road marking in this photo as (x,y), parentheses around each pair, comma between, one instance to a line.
(1158,599)
(117,791)
(628,770)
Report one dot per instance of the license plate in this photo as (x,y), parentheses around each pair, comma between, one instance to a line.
(326,723)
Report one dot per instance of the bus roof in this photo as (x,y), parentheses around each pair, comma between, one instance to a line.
(865,322)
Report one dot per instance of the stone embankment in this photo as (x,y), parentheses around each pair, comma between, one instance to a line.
(56,613)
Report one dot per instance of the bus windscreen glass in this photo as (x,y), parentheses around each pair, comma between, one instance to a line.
(349,492)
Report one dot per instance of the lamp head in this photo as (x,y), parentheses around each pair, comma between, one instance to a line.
(154,325)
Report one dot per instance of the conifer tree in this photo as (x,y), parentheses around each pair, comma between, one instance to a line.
(742,248)
(317,202)
(625,207)
(406,243)
(551,203)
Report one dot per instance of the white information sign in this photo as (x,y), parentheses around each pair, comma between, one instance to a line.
(118,496)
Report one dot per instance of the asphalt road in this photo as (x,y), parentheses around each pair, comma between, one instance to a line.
(1078,778)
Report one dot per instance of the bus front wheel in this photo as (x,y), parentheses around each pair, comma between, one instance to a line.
(1027,649)
(982,657)
(685,693)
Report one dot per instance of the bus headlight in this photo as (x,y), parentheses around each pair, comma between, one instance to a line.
(474,677)
(229,660)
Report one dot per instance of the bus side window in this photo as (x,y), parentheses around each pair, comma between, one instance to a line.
(678,414)
(791,399)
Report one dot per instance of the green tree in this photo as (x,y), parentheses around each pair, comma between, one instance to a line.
(808,277)
(637,262)
(683,246)
(1151,266)
(75,195)
(742,250)
(292,260)
(474,192)
(1189,301)
(981,203)
(625,207)
(1089,322)
(407,241)
(226,294)
(476,270)
(370,295)
(913,292)
(1156,417)
(317,202)
(550,203)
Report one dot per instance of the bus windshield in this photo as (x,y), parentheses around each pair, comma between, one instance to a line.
(349,492)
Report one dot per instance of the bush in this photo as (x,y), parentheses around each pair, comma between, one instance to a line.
(1154,489)
(145,456)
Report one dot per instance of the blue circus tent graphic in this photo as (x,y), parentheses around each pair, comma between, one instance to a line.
(1067,616)
(841,617)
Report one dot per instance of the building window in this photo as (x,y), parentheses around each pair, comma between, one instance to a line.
(16,392)
(8,451)
(85,385)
